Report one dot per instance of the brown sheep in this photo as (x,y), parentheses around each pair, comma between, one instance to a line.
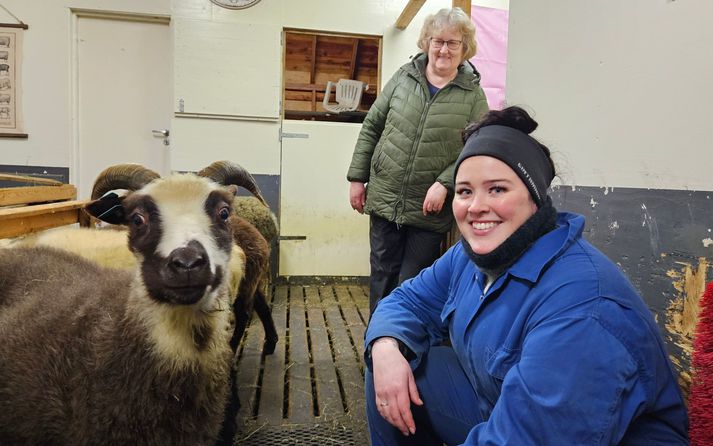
(91,355)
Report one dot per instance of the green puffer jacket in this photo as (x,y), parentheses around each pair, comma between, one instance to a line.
(409,140)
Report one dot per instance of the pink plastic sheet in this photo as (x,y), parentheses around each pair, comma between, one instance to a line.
(491,60)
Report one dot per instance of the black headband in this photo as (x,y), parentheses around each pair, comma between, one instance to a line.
(521,152)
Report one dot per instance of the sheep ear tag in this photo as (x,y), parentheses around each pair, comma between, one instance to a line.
(108,208)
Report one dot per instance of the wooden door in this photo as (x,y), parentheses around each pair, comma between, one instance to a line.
(122,67)
(320,234)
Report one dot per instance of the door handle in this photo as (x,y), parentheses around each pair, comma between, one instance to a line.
(163,133)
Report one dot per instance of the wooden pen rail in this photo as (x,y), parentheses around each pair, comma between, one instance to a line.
(28,209)
(10,196)
(27,219)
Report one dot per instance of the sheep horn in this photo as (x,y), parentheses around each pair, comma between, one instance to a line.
(122,176)
(226,172)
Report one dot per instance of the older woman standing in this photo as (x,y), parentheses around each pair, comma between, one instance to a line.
(551,343)
(402,168)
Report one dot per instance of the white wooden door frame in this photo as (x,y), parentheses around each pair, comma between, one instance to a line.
(76,14)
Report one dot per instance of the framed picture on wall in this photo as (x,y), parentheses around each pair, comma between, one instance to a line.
(11,124)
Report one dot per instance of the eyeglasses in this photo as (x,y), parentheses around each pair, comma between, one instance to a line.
(438,43)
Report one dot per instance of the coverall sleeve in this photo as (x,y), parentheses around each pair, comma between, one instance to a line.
(412,312)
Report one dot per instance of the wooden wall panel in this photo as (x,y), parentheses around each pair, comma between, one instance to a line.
(313,59)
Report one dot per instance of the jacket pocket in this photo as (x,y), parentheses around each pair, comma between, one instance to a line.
(377,163)
(447,311)
(501,361)
(378,159)
(449,307)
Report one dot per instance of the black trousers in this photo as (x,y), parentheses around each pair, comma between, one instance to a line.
(398,252)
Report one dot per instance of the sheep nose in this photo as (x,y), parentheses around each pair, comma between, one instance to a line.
(190,258)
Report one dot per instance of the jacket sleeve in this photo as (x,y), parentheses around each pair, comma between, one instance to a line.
(574,383)
(370,134)
(412,312)
(480,108)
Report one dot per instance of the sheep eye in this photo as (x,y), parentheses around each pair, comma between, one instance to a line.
(137,220)
(224,213)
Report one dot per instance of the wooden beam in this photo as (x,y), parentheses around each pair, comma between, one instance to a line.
(28,219)
(464,5)
(36,194)
(314,69)
(409,12)
(305,87)
(352,62)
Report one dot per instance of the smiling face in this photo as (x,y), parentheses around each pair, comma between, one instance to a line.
(490,203)
(444,61)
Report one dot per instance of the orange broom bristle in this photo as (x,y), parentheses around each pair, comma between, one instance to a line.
(700,402)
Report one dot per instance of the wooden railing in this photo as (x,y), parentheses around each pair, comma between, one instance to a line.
(28,209)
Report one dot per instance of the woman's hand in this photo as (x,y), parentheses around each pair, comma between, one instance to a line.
(394,385)
(435,197)
(357,196)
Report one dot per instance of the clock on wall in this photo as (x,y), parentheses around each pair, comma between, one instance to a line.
(235,4)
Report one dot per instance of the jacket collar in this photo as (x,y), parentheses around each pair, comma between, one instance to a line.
(530,265)
(467,77)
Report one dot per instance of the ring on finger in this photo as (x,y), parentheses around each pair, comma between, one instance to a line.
(383,403)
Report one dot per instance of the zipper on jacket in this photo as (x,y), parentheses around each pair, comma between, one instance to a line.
(402,198)
(412,155)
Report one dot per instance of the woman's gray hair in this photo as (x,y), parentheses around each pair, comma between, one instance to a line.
(449,18)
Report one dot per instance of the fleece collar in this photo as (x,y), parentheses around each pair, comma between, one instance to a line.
(548,247)
(498,260)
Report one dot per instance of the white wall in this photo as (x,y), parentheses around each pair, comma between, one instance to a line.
(46,75)
(621,89)
(495,4)
(259,140)
(46,71)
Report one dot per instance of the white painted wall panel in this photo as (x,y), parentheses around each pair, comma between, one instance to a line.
(621,88)
(359,17)
(198,142)
(193,9)
(496,4)
(227,69)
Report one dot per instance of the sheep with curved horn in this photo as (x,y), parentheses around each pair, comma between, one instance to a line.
(249,260)
(250,292)
(91,355)
(257,253)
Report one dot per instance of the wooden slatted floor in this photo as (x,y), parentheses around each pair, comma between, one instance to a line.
(311,390)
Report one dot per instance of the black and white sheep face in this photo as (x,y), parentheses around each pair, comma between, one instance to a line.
(179,229)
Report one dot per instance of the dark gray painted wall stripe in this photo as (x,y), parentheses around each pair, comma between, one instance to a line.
(270,188)
(653,235)
(53,173)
